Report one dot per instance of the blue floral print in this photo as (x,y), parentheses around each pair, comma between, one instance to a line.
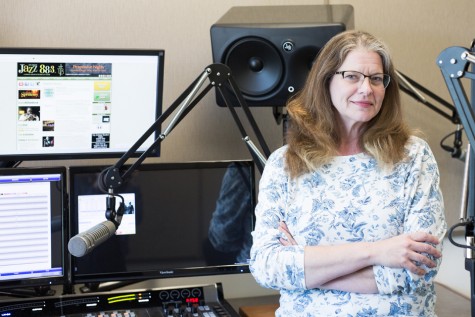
(350,199)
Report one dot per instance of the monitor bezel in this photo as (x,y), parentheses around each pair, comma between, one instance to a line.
(45,282)
(37,155)
(157,274)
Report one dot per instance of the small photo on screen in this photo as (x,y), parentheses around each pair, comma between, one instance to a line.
(30,113)
(48,125)
(48,141)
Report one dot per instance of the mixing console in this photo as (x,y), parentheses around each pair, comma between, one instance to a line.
(192,301)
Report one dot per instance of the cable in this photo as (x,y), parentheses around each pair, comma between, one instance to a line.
(460,224)
(455,151)
(446,147)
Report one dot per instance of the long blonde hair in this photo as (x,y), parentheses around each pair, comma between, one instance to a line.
(312,136)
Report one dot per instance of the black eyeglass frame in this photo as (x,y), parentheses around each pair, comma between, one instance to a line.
(386,77)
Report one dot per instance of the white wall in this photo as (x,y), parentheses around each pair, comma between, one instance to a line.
(417,31)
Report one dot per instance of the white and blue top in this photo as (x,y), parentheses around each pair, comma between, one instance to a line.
(350,199)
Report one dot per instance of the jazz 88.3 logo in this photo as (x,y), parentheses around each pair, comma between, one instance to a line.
(40,69)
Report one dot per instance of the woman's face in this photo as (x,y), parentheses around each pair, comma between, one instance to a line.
(357,101)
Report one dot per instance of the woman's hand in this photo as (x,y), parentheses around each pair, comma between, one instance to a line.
(407,251)
(289,239)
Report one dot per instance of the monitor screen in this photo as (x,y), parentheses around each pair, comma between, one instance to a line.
(33,227)
(77,103)
(180,219)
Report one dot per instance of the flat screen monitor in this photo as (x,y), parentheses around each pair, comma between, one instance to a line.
(77,103)
(33,227)
(181,219)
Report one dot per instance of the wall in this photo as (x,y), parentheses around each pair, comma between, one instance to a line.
(417,31)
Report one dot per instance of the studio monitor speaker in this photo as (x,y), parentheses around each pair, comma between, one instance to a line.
(270,49)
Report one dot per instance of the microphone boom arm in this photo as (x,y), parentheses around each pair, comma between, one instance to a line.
(113,177)
(220,77)
(443,108)
(454,64)
(413,89)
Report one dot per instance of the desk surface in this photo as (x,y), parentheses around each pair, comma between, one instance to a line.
(449,304)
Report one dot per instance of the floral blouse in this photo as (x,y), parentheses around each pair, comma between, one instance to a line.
(348,200)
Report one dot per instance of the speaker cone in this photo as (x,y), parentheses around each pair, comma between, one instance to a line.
(257,66)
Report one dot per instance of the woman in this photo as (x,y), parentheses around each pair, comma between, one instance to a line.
(350,216)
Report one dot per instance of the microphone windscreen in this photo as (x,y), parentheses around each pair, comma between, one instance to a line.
(84,242)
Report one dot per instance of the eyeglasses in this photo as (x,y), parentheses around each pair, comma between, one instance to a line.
(376,80)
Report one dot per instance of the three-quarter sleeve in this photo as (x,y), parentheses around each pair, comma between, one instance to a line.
(423,210)
(272,264)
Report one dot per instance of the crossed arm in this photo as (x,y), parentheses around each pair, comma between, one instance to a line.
(349,267)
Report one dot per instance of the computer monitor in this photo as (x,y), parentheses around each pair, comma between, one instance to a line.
(33,227)
(77,103)
(181,219)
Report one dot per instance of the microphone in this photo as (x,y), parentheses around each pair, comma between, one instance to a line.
(86,241)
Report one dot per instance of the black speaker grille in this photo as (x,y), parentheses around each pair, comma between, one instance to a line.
(257,66)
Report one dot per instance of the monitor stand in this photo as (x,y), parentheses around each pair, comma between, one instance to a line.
(9,164)
(37,291)
(105,287)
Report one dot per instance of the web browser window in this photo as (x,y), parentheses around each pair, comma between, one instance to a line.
(71,102)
